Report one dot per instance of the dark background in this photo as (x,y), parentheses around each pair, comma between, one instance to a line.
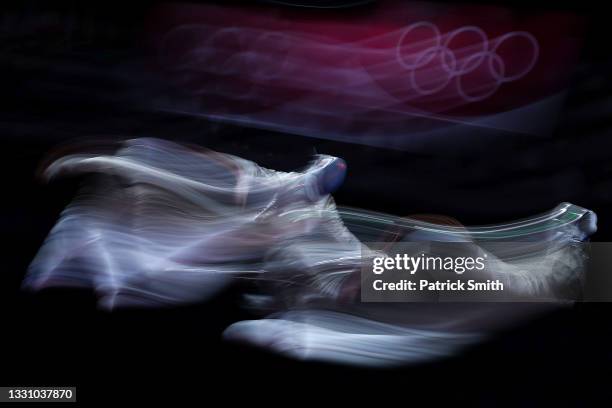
(82,79)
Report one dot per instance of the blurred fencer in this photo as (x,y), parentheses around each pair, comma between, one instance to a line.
(158,223)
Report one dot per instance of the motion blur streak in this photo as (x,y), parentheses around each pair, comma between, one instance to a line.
(172,225)
(339,337)
(159,223)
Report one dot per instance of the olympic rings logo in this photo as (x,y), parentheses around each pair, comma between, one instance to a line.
(456,67)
